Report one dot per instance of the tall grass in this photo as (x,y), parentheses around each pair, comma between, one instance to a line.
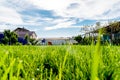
(66,62)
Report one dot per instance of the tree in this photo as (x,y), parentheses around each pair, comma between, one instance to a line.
(33,41)
(27,38)
(30,41)
(10,37)
(14,38)
(78,38)
(5,40)
(84,40)
(7,35)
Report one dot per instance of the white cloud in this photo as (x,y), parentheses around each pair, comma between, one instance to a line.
(66,23)
(17,4)
(6,27)
(3,27)
(51,4)
(62,23)
(9,11)
(82,9)
(86,9)
(9,15)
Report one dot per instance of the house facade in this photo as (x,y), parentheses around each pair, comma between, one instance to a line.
(110,33)
(22,32)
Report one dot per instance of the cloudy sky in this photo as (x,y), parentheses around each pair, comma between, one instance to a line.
(56,18)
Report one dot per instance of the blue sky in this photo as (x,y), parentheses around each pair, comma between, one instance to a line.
(57,18)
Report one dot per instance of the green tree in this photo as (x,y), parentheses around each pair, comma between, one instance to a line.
(78,38)
(27,38)
(7,35)
(10,37)
(33,41)
(14,38)
(5,40)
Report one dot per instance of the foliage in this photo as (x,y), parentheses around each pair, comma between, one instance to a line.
(116,41)
(78,38)
(31,41)
(14,38)
(83,40)
(9,37)
(5,40)
(27,38)
(111,28)
(114,27)
(86,41)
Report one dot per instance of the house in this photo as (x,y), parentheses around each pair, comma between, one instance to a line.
(58,41)
(1,36)
(22,32)
(110,32)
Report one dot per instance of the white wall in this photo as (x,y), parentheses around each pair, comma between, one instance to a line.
(57,42)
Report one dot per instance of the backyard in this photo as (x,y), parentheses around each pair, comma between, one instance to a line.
(67,62)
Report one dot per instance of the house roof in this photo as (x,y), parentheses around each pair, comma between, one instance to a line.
(112,28)
(32,32)
(22,32)
(22,29)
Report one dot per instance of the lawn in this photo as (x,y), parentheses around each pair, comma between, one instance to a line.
(67,62)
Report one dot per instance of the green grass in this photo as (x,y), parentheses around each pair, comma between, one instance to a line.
(67,62)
